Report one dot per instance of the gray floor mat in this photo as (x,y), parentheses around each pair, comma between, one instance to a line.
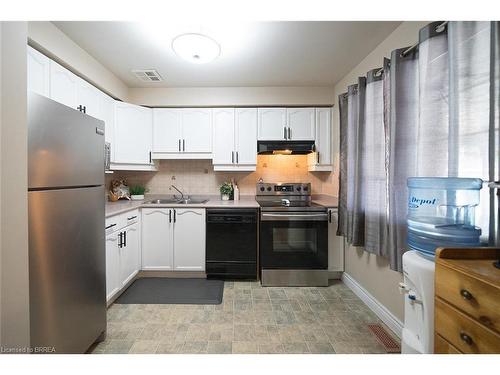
(162,290)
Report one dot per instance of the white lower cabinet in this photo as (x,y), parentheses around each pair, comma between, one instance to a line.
(157,241)
(189,240)
(173,239)
(129,254)
(335,243)
(112,266)
(123,249)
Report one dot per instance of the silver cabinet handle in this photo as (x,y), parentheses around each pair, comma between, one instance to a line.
(317,157)
(183,145)
(284,132)
(232,157)
(289,133)
(179,145)
(237,161)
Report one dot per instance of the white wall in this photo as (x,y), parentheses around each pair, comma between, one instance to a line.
(54,43)
(14,294)
(231,96)
(369,270)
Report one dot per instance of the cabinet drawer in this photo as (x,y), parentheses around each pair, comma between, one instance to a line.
(476,298)
(120,221)
(441,346)
(464,333)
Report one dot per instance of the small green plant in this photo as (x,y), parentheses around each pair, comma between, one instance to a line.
(226,188)
(137,190)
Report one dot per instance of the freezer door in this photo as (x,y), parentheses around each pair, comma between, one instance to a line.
(67,268)
(65,146)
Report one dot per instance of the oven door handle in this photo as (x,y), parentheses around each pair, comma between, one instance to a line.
(294,217)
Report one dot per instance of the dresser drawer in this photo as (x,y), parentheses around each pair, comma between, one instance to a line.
(441,346)
(464,333)
(477,298)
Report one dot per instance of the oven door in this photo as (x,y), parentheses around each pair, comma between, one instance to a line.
(294,240)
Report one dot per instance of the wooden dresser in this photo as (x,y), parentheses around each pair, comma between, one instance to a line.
(467,301)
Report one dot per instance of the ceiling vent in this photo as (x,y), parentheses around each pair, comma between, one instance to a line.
(147,75)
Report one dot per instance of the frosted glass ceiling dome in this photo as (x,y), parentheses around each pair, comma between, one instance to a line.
(196,48)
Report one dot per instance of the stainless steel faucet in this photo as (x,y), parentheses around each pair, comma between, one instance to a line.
(182,194)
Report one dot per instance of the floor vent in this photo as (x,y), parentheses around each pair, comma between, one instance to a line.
(147,75)
(390,345)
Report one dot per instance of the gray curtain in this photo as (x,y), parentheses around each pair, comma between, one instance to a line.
(402,146)
(342,217)
(372,157)
(435,112)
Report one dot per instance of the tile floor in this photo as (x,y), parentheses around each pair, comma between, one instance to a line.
(251,319)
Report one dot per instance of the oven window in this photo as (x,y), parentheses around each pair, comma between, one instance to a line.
(293,240)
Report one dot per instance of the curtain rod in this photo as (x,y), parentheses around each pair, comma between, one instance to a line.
(439,28)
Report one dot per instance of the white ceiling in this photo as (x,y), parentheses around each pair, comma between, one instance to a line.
(252,54)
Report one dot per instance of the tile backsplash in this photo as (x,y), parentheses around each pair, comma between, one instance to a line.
(198,176)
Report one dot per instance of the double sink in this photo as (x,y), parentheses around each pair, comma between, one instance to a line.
(178,201)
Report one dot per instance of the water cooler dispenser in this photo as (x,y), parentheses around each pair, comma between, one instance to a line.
(441,213)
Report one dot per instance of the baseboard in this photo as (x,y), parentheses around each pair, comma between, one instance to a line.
(379,309)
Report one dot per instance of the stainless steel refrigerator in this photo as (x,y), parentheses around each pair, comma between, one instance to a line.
(66,227)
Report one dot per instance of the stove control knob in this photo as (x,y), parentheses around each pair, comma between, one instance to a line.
(305,188)
(269,188)
(299,188)
(262,188)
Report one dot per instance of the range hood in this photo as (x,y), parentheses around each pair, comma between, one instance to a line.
(285,147)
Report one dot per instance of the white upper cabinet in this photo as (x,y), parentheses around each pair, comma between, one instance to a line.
(246,136)
(167,130)
(197,130)
(133,134)
(300,124)
(38,72)
(272,122)
(157,239)
(107,109)
(224,136)
(89,98)
(182,133)
(63,85)
(189,249)
(321,160)
(235,139)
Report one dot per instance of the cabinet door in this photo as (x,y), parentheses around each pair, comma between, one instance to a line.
(272,123)
(167,130)
(324,135)
(157,239)
(189,240)
(108,116)
(246,135)
(197,130)
(223,141)
(300,123)
(129,254)
(335,243)
(63,85)
(38,72)
(113,284)
(133,134)
(89,97)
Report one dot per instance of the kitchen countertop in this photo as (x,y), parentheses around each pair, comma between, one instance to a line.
(115,208)
(328,201)
(214,201)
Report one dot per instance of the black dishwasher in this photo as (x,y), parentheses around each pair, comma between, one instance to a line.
(231,243)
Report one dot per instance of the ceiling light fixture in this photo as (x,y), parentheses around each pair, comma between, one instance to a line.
(196,48)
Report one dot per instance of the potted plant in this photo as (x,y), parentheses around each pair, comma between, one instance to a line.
(137,192)
(225,190)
